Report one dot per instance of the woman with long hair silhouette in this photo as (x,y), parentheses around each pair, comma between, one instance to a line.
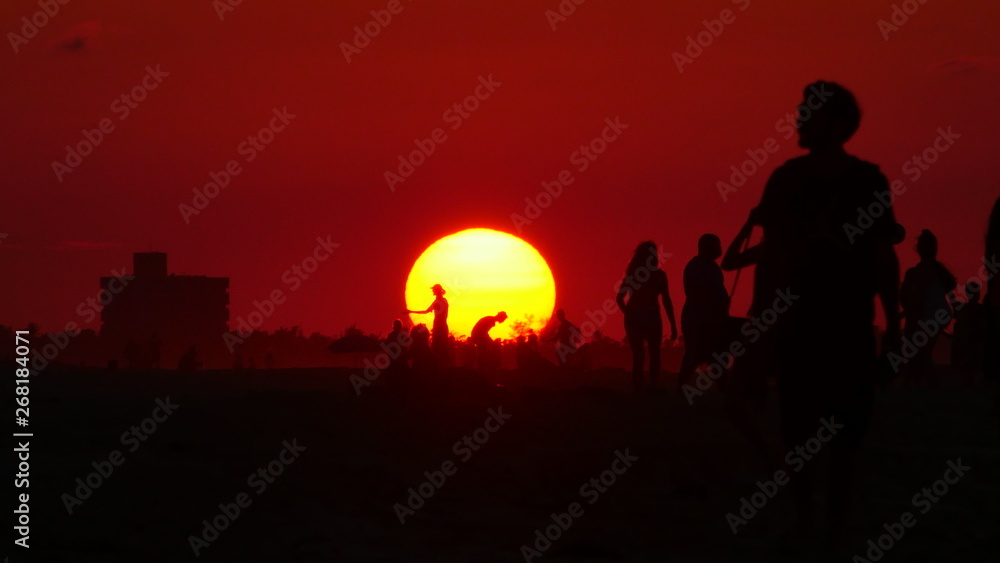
(643,286)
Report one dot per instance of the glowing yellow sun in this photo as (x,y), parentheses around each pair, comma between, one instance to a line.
(483,272)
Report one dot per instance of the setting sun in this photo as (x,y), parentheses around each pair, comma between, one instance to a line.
(483,272)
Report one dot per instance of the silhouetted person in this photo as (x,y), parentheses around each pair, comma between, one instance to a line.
(991,363)
(751,370)
(924,297)
(820,270)
(527,354)
(189,360)
(397,333)
(706,307)
(566,336)
(969,341)
(487,351)
(533,341)
(269,359)
(745,391)
(421,357)
(748,380)
(644,285)
(481,331)
(439,336)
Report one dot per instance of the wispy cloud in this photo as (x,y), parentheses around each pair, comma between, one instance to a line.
(964,64)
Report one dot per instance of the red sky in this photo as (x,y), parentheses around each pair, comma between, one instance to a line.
(323,174)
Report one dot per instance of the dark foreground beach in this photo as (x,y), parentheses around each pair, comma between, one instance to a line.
(307,470)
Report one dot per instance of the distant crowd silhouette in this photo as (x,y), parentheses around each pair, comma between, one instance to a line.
(814,291)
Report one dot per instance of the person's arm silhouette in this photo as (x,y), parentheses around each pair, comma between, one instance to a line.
(431,309)
(620,298)
(551,336)
(735,257)
(668,307)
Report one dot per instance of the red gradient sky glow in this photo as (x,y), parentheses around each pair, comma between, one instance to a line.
(323,173)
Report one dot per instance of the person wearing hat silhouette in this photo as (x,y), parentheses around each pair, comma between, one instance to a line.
(439,332)
(481,335)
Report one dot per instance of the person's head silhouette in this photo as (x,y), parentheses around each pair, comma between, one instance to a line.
(709,246)
(501,317)
(560,315)
(645,256)
(420,333)
(437,290)
(397,325)
(828,116)
(927,245)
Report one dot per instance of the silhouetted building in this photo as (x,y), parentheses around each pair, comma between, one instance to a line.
(174,311)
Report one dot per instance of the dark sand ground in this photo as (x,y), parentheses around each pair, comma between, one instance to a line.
(335,501)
